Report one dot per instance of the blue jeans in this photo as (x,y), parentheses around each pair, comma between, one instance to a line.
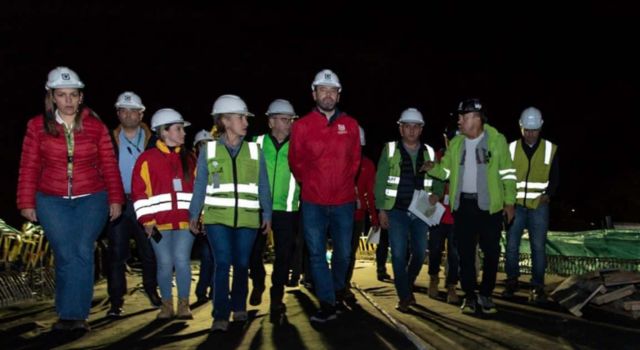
(174,252)
(406,230)
(72,227)
(205,281)
(231,247)
(536,221)
(317,220)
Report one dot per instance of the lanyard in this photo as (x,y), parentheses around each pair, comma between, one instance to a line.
(135,145)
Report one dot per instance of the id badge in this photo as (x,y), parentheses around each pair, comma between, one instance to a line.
(177,185)
(216,180)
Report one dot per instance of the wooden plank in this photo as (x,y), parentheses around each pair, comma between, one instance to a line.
(614,295)
(632,305)
(620,278)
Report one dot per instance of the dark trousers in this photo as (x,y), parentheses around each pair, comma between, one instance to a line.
(382,252)
(119,233)
(285,231)
(296,259)
(205,280)
(256,262)
(358,228)
(437,237)
(472,227)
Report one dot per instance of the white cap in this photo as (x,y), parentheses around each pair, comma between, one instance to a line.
(230,104)
(326,78)
(63,77)
(531,119)
(411,115)
(281,106)
(166,116)
(129,100)
(202,135)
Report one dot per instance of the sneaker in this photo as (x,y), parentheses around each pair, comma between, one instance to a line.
(256,296)
(240,316)
(538,296)
(115,311)
(469,305)
(487,305)
(220,326)
(325,313)
(510,288)
(383,276)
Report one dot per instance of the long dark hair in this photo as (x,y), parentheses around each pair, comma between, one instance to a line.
(50,124)
(186,158)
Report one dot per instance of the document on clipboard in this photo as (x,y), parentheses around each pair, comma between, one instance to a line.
(373,237)
(424,210)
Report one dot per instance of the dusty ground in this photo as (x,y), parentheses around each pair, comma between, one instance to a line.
(372,324)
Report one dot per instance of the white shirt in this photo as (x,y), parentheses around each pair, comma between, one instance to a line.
(469,178)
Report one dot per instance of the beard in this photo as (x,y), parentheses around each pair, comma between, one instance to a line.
(327,104)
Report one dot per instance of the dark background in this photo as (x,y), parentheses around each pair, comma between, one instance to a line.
(578,65)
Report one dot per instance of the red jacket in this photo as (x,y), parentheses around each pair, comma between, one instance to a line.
(325,157)
(43,165)
(154,197)
(366,200)
(447,217)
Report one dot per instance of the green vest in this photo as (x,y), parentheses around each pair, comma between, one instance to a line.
(393,180)
(532,175)
(232,188)
(284,188)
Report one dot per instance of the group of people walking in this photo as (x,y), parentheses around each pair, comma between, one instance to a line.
(309,175)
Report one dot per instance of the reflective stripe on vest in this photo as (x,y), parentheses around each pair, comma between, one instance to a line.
(285,192)
(153,204)
(393,180)
(533,174)
(232,201)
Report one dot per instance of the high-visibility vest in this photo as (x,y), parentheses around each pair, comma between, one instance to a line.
(393,180)
(232,187)
(284,188)
(532,174)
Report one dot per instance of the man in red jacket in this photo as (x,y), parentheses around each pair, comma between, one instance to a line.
(324,156)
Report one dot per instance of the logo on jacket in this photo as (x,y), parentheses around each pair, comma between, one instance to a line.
(342,129)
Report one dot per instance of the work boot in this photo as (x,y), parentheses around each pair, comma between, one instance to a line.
(184,312)
(154,297)
(452,296)
(510,288)
(166,309)
(434,280)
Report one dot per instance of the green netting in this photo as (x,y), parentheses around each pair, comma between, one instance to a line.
(571,253)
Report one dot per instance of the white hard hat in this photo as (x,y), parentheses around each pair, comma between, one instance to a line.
(326,78)
(281,106)
(130,100)
(531,119)
(411,115)
(166,116)
(363,140)
(63,77)
(202,135)
(230,104)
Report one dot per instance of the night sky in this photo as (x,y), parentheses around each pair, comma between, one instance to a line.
(576,64)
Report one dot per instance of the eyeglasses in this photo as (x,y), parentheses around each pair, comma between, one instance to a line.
(283,119)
